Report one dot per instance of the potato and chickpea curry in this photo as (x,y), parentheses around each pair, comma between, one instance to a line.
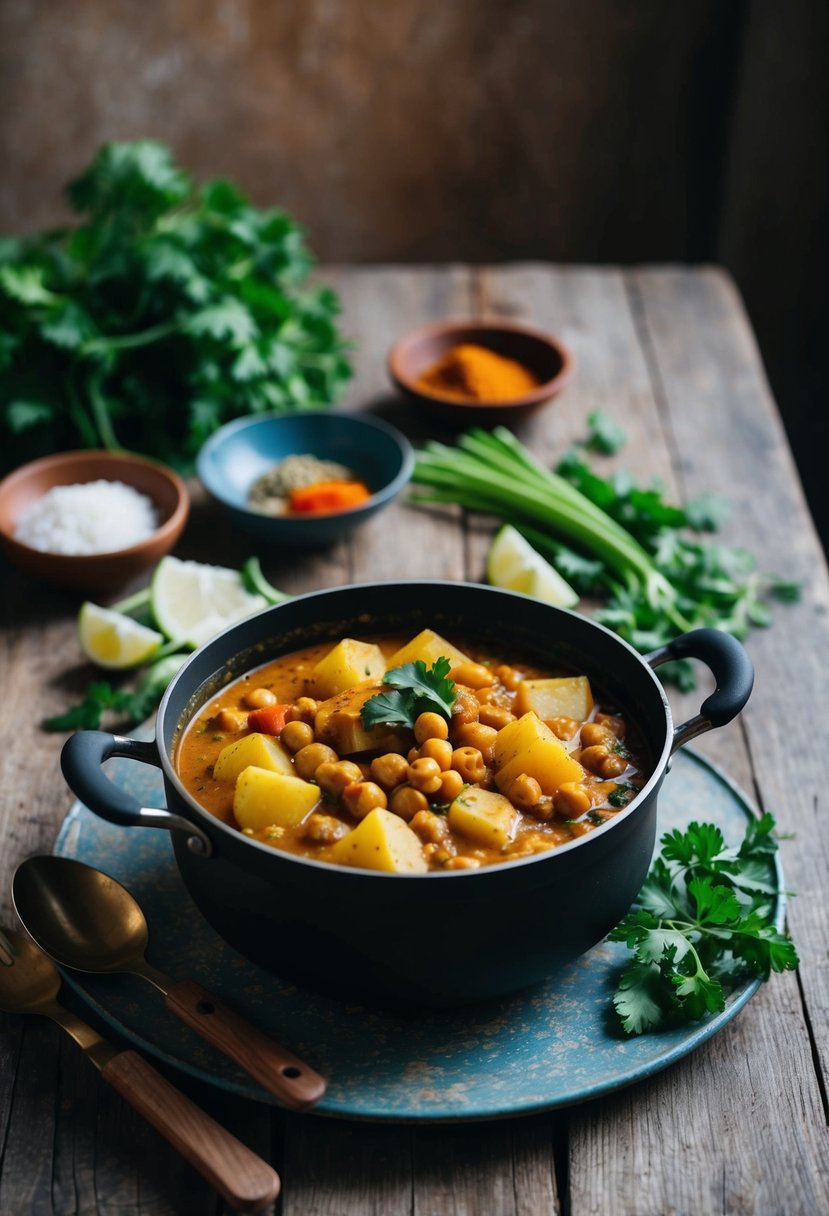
(409,757)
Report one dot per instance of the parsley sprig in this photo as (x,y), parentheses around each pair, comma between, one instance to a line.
(415,689)
(702,922)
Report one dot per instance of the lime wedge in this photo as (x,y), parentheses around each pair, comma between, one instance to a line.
(192,602)
(114,640)
(512,563)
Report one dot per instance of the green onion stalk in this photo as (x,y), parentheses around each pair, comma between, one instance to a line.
(492,472)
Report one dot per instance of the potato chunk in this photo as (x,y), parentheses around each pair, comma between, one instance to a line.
(382,841)
(484,816)
(263,797)
(263,751)
(350,662)
(427,646)
(337,722)
(566,697)
(529,746)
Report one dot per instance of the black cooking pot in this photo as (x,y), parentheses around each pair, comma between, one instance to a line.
(436,938)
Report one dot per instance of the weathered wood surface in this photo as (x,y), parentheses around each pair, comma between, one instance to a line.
(740,1125)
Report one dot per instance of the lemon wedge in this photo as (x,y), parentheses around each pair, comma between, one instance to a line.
(114,640)
(191,602)
(514,565)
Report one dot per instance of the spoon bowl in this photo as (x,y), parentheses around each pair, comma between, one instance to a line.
(30,982)
(80,916)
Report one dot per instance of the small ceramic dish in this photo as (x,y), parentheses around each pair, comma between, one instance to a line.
(242,451)
(100,573)
(542,354)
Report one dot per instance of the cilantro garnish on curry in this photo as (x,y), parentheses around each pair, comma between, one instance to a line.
(411,755)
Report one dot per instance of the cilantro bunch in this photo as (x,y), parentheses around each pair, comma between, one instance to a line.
(702,923)
(168,310)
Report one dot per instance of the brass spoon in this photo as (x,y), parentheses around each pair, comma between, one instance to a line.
(29,983)
(85,920)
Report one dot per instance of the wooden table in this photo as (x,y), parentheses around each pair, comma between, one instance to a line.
(738,1126)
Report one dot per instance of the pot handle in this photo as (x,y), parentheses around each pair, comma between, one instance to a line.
(731,668)
(81,759)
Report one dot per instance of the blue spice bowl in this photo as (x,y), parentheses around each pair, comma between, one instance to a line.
(242,451)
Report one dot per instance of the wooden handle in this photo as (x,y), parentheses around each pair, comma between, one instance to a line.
(246,1181)
(278,1070)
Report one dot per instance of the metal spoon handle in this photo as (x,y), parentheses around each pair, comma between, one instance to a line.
(246,1181)
(280,1072)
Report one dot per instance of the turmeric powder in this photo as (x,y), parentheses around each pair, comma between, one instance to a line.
(469,372)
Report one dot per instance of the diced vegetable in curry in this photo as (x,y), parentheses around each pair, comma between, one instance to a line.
(410,755)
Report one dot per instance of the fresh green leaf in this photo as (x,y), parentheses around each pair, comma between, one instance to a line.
(161,298)
(702,922)
(604,433)
(416,689)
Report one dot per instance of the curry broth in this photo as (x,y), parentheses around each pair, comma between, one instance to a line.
(224,720)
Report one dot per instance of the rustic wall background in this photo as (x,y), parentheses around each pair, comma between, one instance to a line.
(483,130)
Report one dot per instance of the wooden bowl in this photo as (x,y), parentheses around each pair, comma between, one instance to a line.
(544,355)
(96,572)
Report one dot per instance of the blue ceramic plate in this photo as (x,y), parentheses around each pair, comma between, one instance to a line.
(552,1045)
(241,451)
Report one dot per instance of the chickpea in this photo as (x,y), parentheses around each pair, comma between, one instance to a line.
(465,709)
(296,735)
(360,797)
(439,750)
(303,710)
(334,776)
(412,754)
(602,762)
(571,800)
(524,792)
(430,726)
(475,734)
(509,677)
(563,728)
(407,802)
(543,809)
(451,784)
(308,759)
(424,775)
(431,828)
(323,829)
(463,863)
(485,695)
(614,724)
(389,770)
(496,716)
(231,719)
(613,766)
(595,734)
(593,757)
(469,762)
(473,675)
(258,698)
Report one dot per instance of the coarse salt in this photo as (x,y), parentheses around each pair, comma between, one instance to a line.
(90,517)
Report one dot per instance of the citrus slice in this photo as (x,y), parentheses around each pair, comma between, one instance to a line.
(192,602)
(512,563)
(114,640)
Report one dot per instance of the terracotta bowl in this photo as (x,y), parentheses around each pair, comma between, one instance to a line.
(98,572)
(543,354)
